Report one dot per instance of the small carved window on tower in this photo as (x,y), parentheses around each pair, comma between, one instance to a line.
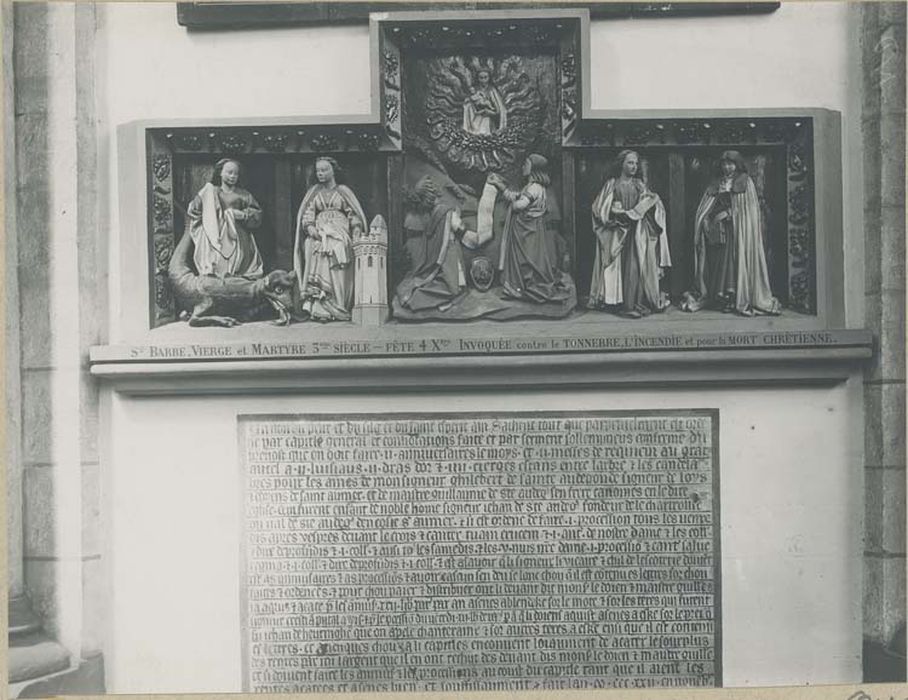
(370,261)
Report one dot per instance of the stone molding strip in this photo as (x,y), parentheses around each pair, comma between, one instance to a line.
(764,357)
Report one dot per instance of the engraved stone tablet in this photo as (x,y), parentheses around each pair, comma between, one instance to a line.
(458,552)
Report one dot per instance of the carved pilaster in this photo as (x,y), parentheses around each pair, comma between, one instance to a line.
(161,225)
(801,237)
(390,69)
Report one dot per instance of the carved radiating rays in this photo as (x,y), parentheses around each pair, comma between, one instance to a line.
(451,81)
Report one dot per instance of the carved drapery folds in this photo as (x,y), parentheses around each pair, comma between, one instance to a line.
(705,138)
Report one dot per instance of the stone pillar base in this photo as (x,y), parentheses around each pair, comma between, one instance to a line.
(370,314)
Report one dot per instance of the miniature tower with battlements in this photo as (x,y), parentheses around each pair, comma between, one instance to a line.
(370,290)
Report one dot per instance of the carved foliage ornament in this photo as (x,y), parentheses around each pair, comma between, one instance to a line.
(391,68)
(535,34)
(801,234)
(568,94)
(481,114)
(163,250)
(161,168)
(691,132)
(259,140)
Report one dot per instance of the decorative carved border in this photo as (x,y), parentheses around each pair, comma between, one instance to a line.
(498,33)
(570,81)
(390,70)
(720,131)
(161,225)
(801,223)
(244,140)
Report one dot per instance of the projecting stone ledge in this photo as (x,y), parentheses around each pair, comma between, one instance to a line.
(255,358)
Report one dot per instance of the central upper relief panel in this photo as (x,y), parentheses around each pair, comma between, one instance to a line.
(482,183)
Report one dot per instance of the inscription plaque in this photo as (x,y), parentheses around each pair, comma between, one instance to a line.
(459,552)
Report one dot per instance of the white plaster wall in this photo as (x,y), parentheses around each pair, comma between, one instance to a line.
(790,511)
(802,55)
(793,57)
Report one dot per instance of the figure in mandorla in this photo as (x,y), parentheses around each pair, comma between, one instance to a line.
(329,217)
(436,279)
(631,242)
(484,111)
(529,261)
(730,270)
(219,220)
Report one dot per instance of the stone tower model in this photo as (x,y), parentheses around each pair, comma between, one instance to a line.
(370,290)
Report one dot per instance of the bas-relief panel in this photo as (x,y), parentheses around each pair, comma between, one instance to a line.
(495,201)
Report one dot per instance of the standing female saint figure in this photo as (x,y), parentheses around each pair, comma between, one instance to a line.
(329,217)
(631,242)
(730,271)
(219,220)
(529,260)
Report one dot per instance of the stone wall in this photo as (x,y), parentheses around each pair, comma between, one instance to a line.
(11,426)
(883,124)
(61,313)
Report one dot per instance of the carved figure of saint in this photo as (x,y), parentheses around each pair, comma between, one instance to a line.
(219,220)
(436,278)
(730,270)
(329,217)
(631,242)
(529,259)
(484,110)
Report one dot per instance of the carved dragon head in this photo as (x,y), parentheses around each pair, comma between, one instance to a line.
(278,291)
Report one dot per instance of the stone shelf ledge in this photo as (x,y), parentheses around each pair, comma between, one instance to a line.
(438,359)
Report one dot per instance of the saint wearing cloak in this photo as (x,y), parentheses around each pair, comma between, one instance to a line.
(329,216)
(436,279)
(219,220)
(632,251)
(529,259)
(730,270)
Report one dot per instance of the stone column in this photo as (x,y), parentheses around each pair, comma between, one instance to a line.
(61,297)
(883,129)
(10,348)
